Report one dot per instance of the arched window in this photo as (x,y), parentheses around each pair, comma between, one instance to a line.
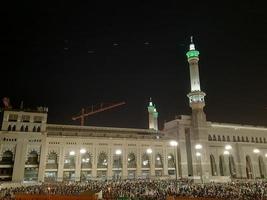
(249,167)
(131,160)
(262,167)
(171,161)
(223,138)
(247,140)
(7,157)
(22,128)
(86,160)
(252,139)
(260,140)
(145,161)
(209,138)
(243,140)
(219,138)
(214,138)
(26,129)
(34,129)
(102,160)
(9,127)
(51,161)
(52,158)
(38,129)
(232,166)
(158,161)
(117,161)
(69,161)
(14,128)
(228,138)
(213,166)
(257,140)
(222,165)
(238,138)
(33,158)
(234,140)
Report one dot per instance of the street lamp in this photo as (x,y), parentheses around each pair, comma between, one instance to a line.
(228,147)
(256,151)
(82,151)
(149,150)
(174,143)
(118,152)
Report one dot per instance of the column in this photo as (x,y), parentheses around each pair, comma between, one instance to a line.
(152,163)
(78,165)
(94,162)
(20,157)
(124,161)
(42,162)
(138,160)
(60,163)
(110,162)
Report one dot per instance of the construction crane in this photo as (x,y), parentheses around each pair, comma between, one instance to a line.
(95,109)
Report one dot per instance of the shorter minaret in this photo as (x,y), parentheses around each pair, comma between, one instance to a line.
(196,96)
(152,115)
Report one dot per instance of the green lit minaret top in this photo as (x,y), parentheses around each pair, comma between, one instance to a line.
(192,53)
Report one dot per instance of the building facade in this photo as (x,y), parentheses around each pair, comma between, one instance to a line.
(189,146)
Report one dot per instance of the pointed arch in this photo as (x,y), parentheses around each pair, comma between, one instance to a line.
(33,158)
(14,128)
(232,166)
(262,167)
(38,129)
(158,161)
(131,160)
(145,161)
(213,166)
(9,127)
(102,161)
(86,159)
(7,157)
(34,129)
(171,161)
(22,128)
(222,166)
(249,167)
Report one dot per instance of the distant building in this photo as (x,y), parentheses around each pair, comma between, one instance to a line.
(189,146)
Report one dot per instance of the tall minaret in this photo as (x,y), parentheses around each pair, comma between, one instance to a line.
(152,115)
(196,96)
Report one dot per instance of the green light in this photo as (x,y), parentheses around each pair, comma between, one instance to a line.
(192,53)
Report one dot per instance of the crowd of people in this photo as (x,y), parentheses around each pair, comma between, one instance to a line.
(147,189)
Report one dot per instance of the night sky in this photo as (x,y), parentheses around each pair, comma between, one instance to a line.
(71,54)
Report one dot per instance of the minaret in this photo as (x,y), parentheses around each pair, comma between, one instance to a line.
(152,115)
(196,96)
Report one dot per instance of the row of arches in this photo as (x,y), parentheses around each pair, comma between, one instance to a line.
(102,161)
(24,128)
(236,139)
(227,167)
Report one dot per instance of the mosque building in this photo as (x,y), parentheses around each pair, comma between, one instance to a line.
(188,146)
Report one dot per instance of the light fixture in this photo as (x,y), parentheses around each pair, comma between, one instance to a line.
(198,146)
(82,151)
(158,158)
(266,155)
(198,154)
(169,157)
(256,151)
(72,153)
(228,147)
(149,151)
(173,143)
(226,153)
(118,152)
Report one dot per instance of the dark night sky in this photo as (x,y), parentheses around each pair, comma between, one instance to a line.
(64,55)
